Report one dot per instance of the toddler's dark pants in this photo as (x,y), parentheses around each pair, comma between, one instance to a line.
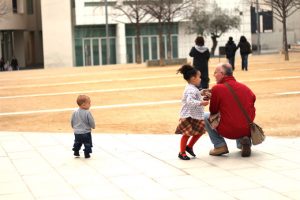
(86,140)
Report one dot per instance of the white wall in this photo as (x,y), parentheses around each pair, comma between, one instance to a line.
(57,33)
(293,25)
(273,40)
(96,15)
(185,41)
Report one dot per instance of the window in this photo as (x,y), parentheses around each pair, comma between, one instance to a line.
(14,6)
(129,50)
(90,45)
(150,42)
(145,48)
(29,7)
(18,6)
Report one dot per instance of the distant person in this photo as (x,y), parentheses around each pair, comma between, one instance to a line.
(83,122)
(245,50)
(233,124)
(230,50)
(2,63)
(192,112)
(201,56)
(7,66)
(14,64)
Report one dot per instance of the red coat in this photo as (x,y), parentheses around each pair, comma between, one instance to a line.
(233,124)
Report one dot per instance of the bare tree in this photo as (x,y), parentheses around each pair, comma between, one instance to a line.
(199,22)
(214,24)
(165,11)
(175,9)
(157,9)
(220,23)
(282,9)
(133,10)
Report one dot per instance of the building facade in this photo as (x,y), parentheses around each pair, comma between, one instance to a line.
(271,35)
(21,32)
(74,33)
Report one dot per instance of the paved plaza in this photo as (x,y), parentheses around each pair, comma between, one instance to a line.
(136,166)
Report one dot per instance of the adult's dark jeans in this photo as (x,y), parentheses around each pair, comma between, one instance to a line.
(83,139)
(204,79)
(231,62)
(245,62)
(204,83)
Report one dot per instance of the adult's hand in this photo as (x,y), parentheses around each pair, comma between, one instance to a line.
(204,103)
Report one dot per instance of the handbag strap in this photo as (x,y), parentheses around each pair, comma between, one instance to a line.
(238,102)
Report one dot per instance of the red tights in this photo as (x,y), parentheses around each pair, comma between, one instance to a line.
(184,140)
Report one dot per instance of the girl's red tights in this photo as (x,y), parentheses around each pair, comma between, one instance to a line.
(184,140)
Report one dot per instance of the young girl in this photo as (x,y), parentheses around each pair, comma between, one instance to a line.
(192,112)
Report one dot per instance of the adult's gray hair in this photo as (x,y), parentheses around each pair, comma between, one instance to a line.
(227,68)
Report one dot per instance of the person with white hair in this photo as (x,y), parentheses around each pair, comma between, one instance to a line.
(233,123)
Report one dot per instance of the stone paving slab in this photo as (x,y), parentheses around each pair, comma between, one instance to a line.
(40,166)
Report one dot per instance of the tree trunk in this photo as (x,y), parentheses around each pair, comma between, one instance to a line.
(161,45)
(169,43)
(285,44)
(138,59)
(215,43)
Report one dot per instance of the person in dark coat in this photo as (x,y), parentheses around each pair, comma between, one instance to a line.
(2,63)
(201,55)
(230,50)
(14,64)
(245,50)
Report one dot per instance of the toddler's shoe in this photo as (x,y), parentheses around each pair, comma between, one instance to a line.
(76,153)
(190,151)
(87,155)
(183,156)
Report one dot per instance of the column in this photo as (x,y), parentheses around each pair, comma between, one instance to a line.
(57,33)
(121,44)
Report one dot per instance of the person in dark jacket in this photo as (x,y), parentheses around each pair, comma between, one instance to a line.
(201,55)
(230,50)
(2,63)
(245,50)
(14,63)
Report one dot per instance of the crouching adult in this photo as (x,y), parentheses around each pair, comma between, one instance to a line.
(233,123)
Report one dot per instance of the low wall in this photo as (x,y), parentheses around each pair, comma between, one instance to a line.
(175,61)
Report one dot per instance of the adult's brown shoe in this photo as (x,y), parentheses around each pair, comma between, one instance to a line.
(246,147)
(219,151)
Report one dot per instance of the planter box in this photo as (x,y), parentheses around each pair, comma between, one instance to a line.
(175,61)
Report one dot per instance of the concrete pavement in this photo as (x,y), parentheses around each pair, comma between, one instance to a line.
(130,166)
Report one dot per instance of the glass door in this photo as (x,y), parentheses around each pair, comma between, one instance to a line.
(154,48)
(87,52)
(96,59)
(145,49)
